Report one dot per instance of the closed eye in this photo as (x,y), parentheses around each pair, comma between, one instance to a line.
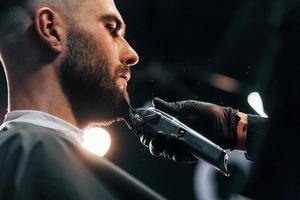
(112,28)
(114,25)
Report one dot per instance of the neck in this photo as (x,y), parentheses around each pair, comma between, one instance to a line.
(39,90)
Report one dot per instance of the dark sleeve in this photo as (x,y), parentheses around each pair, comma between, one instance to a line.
(11,164)
(42,165)
(256,131)
(58,173)
(45,165)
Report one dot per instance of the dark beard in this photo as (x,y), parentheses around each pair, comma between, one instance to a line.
(87,83)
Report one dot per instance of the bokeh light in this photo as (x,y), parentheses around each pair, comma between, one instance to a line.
(256,103)
(97,140)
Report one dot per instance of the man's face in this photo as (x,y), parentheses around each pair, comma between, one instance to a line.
(96,67)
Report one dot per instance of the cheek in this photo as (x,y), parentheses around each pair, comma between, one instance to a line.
(108,49)
(112,62)
(107,45)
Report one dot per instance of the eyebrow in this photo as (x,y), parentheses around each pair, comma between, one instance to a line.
(119,22)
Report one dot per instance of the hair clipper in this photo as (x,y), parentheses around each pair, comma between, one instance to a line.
(153,120)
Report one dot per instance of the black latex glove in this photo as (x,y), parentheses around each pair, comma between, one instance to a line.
(215,122)
(169,146)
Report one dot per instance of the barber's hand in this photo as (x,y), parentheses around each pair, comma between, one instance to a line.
(215,122)
(169,146)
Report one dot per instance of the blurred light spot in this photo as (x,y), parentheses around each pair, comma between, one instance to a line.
(256,103)
(224,83)
(207,184)
(96,140)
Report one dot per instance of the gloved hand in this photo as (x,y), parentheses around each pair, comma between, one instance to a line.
(171,147)
(215,122)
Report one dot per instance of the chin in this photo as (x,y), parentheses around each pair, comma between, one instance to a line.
(126,97)
(112,110)
(104,123)
(93,119)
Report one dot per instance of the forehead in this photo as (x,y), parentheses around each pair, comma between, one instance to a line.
(98,7)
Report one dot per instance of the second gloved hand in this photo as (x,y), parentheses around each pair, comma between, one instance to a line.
(215,122)
(170,146)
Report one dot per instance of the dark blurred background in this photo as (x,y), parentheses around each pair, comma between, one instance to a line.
(217,51)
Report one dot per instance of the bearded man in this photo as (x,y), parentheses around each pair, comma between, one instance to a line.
(67,65)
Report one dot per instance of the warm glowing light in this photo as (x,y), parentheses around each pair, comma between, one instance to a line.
(224,83)
(256,103)
(97,140)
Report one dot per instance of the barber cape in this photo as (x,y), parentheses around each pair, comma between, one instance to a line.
(41,158)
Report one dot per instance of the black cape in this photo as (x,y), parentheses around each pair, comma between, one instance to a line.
(39,163)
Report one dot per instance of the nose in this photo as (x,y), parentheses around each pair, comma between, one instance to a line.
(128,55)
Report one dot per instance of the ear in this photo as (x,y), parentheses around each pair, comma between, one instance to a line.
(50,27)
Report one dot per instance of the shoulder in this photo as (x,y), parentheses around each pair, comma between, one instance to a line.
(23,143)
(27,136)
(22,128)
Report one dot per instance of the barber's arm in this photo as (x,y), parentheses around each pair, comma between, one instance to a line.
(225,126)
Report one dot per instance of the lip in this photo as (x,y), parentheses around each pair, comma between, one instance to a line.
(122,82)
(126,76)
(123,77)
